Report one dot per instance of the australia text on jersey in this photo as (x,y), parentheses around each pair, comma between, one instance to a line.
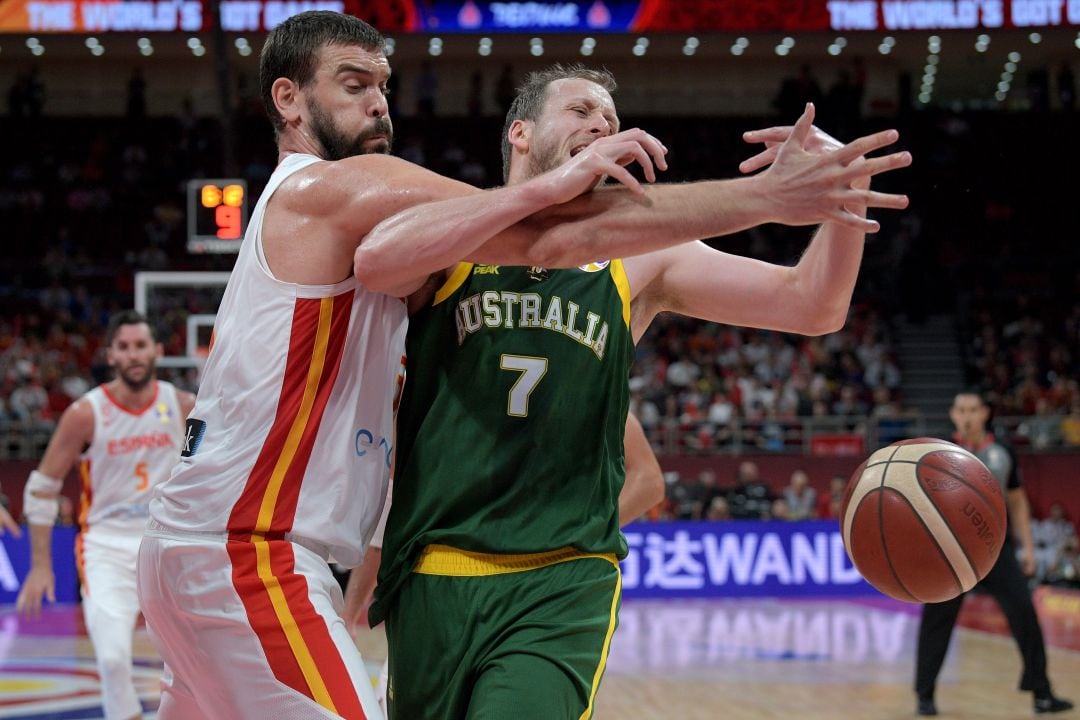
(493,309)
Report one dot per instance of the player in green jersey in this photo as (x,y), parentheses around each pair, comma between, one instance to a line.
(500,582)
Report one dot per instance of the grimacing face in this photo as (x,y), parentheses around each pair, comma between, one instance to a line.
(576,113)
(133,355)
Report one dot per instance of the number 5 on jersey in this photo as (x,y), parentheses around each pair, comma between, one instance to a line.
(531,369)
(143,476)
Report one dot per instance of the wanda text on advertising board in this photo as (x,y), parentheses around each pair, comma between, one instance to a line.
(613,16)
(739,559)
(666,560)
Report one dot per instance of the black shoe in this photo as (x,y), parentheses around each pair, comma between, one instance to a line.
(926,707)
(1051,704)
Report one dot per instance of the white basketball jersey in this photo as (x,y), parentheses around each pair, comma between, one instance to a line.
(131,452)
(293,424)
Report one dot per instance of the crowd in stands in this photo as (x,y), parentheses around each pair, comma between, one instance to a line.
(91,200)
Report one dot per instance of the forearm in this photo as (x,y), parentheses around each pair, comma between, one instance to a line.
(825,277)
(638,497)
(613,222)
(427,238)
(41,547)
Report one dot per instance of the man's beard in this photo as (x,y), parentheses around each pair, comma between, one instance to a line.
(136,384)
(337,146)
(543,158)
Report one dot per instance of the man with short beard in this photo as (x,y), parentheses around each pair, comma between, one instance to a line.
(127,435)
(288,449)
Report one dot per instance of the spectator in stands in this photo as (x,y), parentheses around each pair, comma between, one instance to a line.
(1051,535)
(800,496)
(750,499)
(718,509)
(828,504)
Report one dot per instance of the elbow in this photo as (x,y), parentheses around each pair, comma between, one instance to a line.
(562,245)
(369,271)
(656,489)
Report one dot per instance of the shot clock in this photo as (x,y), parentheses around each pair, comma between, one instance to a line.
(217,215)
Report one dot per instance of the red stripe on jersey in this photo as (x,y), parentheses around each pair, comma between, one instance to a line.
(302,346)
(318,652)
(285,510)
(262,617)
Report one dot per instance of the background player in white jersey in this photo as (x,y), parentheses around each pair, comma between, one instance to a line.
(284,460)
(127,435)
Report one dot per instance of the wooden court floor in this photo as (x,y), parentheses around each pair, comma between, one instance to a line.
(690,660)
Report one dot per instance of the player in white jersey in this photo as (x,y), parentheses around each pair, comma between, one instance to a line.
(286,451)
(127,436)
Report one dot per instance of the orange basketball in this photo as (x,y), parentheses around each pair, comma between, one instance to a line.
(923,520)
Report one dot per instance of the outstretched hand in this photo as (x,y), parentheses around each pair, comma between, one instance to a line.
(606,157)
(812,178)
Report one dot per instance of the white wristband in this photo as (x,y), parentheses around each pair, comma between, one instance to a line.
(41,510)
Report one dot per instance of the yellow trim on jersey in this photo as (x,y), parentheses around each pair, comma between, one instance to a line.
(612,621)
(292,632)
(300,422)
(446,560)
(456,279)
(622,284)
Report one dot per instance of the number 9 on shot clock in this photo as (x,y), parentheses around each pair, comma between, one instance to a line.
(217,214)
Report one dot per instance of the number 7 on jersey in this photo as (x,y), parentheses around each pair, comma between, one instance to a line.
(531,369)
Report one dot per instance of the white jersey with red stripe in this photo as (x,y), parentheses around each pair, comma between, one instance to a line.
(131,452)
(292,427)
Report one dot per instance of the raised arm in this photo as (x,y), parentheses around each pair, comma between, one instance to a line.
(810,298)
(799,188)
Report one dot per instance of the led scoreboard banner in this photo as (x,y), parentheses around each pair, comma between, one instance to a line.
(217,215)
(474,16)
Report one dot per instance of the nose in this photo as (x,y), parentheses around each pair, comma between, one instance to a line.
(379,107)
(598,125)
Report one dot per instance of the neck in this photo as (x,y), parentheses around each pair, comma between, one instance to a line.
(293,140)
(975,438)
(133,398)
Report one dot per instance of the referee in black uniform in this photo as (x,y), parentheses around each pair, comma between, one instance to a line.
(1006,581)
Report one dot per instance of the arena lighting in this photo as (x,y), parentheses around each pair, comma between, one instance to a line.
(38,50)
(388,46)
(194,42)
(641,46)
(536,46)
(198,51)
(484,47)
(97,50)
(1076,42)
(1035,38)
(91,42)
(146,50)
(781,50)
(1014,56)
(884,49)
(691,46)
(435,47)
(32,42)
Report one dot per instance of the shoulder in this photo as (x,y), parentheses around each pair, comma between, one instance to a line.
(78,418)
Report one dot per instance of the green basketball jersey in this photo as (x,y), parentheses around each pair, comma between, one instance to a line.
(510,428)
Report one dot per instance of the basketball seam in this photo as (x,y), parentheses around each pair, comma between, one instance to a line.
(881,527)
(961,480)
(937,545)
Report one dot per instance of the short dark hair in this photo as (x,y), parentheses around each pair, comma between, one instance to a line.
(125,317)
(292,49)
(529,102)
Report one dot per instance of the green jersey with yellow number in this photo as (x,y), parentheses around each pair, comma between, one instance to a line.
(510,428)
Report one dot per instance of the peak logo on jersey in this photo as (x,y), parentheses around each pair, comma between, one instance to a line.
(134,443)
(485,270)
(193,435)
(594,266)
(164,413)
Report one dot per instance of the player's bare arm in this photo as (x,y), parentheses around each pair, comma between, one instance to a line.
(644,485)
(811,298)
(74,432)
(802,187)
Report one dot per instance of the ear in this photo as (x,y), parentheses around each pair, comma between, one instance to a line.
(520,135)
(286,96)
(159,350)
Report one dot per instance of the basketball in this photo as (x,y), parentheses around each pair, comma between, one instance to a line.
(923,520)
